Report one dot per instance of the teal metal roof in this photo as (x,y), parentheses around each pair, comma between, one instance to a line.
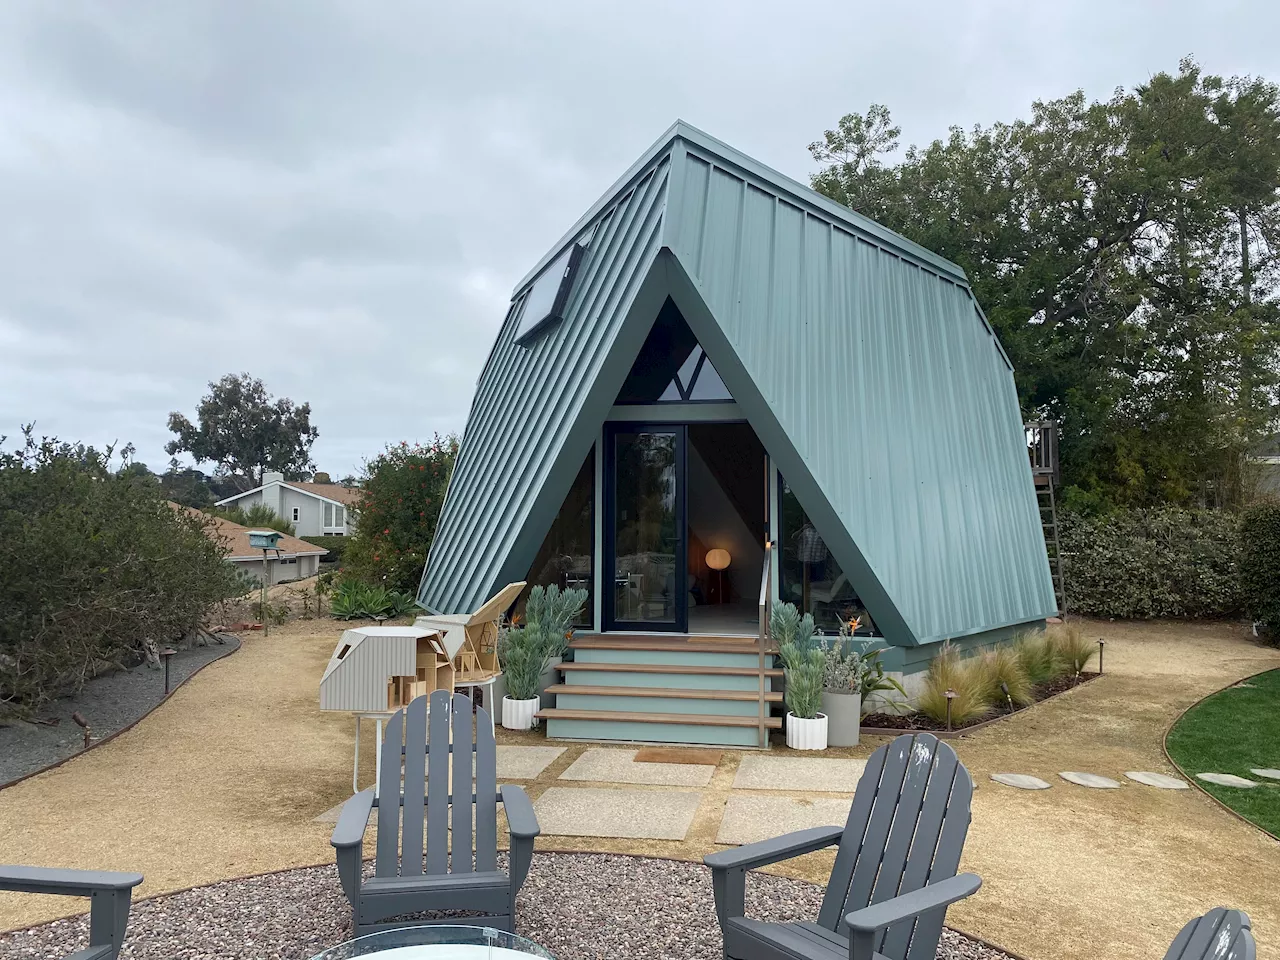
(861,360)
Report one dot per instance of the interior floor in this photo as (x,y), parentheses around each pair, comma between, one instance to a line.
(738,618)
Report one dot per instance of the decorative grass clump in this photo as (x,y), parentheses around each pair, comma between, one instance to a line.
(1038,657)
(970,681)
(1071,647)
(1002,671)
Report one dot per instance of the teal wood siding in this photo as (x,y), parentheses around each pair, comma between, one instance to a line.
(888,383)
(530,423)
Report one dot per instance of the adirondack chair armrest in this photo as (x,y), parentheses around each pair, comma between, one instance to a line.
(353,820)
(521,819)
(63,882)
(864,924)
(764,852)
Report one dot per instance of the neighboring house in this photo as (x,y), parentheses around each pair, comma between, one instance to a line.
(1266,458)
(719,384)
(314,509)
(293,559)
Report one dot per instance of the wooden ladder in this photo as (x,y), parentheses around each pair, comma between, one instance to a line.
(1049,524)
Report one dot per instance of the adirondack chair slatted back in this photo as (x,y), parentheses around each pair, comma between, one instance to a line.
(431,730)
(1220,934)
(906,829)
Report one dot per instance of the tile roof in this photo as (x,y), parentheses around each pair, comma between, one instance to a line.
(237,538)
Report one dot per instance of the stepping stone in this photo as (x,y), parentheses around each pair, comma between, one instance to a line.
(679,755)
(751,817)
(525,763)
(1089,780)
(1265,772)
(1160,780)
(630,814)
(1023,781)
(605,765)
(759,771)
(1226,780)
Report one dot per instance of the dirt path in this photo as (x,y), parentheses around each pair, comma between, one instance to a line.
(225,780)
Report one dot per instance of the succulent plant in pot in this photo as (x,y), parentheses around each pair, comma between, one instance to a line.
(842,687)
(806,725)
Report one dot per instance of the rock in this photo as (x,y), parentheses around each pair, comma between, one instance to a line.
(1159,780)
(1226,780)
(1089,780)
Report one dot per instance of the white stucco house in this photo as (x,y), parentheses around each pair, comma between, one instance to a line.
(314,509)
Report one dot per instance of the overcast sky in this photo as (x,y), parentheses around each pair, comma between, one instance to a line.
(339,197)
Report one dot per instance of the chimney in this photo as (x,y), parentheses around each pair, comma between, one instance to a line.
(270,476)
(273,496)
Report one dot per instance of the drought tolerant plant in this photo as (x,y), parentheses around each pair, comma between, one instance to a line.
(555,610)
(1073,649)
(792,632)
(353,600)
(1002,670)
(258,515)
(804,673)
(525,653)
(947,671)
(1039,659)
(841,666)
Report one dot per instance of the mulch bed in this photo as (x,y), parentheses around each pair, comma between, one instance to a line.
(109,702)
(918,721)
(578,906)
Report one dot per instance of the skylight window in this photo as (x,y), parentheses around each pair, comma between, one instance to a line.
(545,301)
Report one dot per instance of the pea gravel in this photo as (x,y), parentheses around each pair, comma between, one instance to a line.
(579,906)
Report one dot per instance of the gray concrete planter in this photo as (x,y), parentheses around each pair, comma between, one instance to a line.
(844,713)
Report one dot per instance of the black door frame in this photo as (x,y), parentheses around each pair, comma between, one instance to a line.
(609,558)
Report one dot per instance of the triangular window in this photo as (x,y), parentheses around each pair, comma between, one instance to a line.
(672,367)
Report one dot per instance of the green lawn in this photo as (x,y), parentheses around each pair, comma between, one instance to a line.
(1230,732)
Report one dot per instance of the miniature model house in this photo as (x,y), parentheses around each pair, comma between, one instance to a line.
(471,639)
(377,669)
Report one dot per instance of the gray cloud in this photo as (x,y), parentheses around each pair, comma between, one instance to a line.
(339,196)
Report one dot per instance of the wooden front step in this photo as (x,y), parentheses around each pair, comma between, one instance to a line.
(673,693)
(692,719)
(670,668)
(670,645)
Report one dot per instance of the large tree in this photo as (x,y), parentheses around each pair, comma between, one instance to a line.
(245,432)
(1122,251)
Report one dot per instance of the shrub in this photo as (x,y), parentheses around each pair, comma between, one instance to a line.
(947,671)
(98,568)
(270,613)
(1037,657)
(555,610)
(335,545)
(1002,670)
(1260,565)
(841,666)
(1072,649)
(792,632)
(1160,562)
(401,492)
(525,653)
(257,515)
(353,600)
(804,671)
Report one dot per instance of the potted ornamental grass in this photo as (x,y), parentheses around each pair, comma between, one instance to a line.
(803,662)
(529,652)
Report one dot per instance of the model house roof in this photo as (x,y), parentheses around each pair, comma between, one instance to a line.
(333,492)
(861,360)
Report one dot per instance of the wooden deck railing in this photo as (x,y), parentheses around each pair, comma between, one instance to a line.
(766,604)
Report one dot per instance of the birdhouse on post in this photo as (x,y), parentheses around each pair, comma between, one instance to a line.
(263,539)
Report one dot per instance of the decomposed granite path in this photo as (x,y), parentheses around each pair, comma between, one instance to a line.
(240,773)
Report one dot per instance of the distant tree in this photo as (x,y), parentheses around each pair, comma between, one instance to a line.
(187,486)
(401,493)
(321,477)
(245,432)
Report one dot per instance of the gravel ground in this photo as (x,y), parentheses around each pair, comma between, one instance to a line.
(108,702)
(579,906)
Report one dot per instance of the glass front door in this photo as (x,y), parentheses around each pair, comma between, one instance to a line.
(645,551)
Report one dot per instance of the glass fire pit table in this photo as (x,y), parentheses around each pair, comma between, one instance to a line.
(437,942)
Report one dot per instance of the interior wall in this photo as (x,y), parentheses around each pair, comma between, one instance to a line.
(715,522)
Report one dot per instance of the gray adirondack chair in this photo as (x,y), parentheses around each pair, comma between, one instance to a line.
(109,897)
(400,884)
(1220,934)
(894,874)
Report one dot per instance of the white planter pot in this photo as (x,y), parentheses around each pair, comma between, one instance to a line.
(844,717)
(518,714)
(807,734)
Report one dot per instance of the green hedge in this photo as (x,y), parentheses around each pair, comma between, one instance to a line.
(335,546)
(1260,565)
(1161,562)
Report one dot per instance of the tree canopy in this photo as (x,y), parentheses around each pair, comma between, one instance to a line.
(245,432)
(1124,251)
